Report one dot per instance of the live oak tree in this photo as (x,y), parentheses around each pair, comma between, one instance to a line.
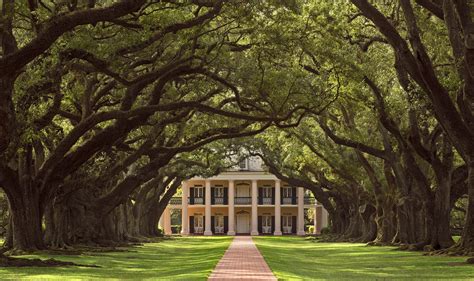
(105,106)
(145,82)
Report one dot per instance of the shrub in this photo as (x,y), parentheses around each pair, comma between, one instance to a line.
(325,230)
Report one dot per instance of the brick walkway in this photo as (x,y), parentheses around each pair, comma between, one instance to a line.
(242,261)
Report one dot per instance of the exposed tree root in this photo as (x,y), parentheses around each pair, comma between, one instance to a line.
(379,244)
(456,250)
(19,262)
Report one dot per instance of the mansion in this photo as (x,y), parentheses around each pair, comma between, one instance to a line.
(243,200)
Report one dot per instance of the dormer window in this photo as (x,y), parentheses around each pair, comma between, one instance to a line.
(243,165)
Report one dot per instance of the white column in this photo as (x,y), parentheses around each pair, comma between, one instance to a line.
(184,209)
(231,195)
(277,207)
(315,218)
(167,221)
(300,225)
(207,230)
(325,218)
(162,222)
(254,208)
(318,220)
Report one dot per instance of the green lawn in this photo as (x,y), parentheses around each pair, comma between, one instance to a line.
(299,258)
(190,258)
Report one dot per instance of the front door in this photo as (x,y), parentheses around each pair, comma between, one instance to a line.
(243,223)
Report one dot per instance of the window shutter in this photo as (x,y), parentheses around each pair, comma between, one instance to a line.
(213,196)
(226,224)
(191,196)
(273,196)
(213,224)
(293,224)
(293,195)
(191,224)
(260,196)
(260,224)
(226,196)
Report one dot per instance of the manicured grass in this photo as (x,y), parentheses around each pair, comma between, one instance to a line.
(300,258)
(185,258)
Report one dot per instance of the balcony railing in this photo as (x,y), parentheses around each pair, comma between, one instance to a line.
(175,201)
(243,200)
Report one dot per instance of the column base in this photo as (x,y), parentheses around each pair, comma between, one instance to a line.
(207,233)
(184,233)
(231,233)
(277,233)
(301,233)
(254,233)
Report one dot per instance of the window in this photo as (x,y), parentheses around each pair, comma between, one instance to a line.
(287,224)
(219,192)
(266,192)
(198,192)
(243,165)
(219,223)
(267,224)
(198,224)
(287,192)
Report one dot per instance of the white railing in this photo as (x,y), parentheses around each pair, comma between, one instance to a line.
(219,229)
(176,201)
(198,230)
(267,229)
(219,200)
(267,201)
(287,201)
(198,201)
(243,200)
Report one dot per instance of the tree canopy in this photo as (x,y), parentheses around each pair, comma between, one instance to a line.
(106,106)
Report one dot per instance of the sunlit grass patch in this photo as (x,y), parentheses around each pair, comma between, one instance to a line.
(299,258)
(185,258)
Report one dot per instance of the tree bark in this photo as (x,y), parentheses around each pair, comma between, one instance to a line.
(26,218)
(467,239)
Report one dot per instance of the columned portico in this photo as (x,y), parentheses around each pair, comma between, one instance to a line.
(254,208)
(300,224)
(184,209)
(231,208)
(277,208)
(243,202)
(207,225)
(165,221)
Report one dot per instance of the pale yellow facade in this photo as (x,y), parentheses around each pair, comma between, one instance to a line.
(243,202)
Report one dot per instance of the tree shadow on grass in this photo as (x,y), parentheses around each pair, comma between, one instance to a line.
(183,258)
(294,257)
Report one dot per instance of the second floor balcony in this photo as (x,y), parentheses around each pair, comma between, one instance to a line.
(243,200)
(239,200)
